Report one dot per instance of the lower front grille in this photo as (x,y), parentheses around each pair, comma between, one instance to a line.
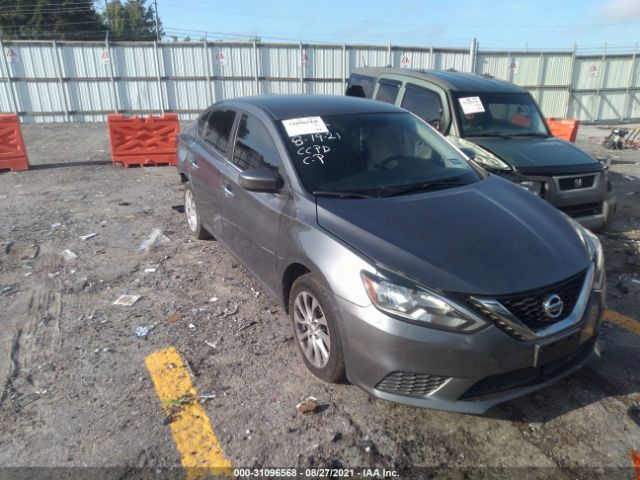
(527,377)
(584,210)
(410,384)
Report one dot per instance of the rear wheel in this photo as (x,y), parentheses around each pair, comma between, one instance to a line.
(193,217)
(315,329)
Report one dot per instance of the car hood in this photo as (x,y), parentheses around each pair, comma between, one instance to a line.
(540,155)
(488,238)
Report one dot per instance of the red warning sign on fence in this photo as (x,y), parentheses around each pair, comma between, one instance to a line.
(221,58)
(104,57)
(305,58)
(12,56)
(405,61)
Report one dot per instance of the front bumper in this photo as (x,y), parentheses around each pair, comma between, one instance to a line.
(469,372)
(593,206)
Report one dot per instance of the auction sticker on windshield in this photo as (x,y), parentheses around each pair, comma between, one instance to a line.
(304,126)
(471,105)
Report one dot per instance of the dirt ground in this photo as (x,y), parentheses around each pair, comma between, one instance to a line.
(75,392)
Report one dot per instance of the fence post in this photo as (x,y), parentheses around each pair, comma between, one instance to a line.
(541,66)
(603,73)
(432,60)
(345,68)
(211,90)
(158,81)
(570,87)
(114,91)
(14,98)
(255,66)
(628,102)
(301,69)
(389,55)
(473,52)
(65,100)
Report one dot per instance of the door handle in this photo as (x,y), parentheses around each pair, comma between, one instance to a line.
(228,192)
(194,163)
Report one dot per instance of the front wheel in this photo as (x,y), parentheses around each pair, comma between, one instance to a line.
(316,329)
(193,217)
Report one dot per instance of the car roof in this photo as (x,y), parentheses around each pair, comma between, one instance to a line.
(448,79)
(281,107)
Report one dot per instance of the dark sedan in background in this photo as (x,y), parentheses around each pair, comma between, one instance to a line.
(418,275)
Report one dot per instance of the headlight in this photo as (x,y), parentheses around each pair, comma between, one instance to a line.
(594,247)
(483,157)
(533,187)
(418,305)
(491,162)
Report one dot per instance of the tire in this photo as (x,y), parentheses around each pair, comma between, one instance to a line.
(310,307)
(193,217)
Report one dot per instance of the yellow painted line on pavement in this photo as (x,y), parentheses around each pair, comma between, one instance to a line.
(623,321)
(202,455)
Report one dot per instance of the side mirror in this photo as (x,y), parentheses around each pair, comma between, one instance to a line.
(468,152)
(260,180)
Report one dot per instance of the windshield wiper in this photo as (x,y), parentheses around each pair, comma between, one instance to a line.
(490,134)
(532,134)
(325,193)
(421,187)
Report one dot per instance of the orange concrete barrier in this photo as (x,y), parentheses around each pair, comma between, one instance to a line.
(635,458)
(565,128)
(143,140)
(13,155)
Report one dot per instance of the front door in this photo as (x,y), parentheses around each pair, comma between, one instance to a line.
(252,219)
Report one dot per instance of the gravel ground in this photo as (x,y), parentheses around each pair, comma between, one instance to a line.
(75,392)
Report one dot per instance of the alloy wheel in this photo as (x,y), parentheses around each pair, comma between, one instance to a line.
(311,329)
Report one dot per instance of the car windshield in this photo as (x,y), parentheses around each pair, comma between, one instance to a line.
(376,154)
(498,114)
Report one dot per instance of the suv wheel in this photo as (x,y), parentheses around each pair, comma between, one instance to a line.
(193,217)
(315,329)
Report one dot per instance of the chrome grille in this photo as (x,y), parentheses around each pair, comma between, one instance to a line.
(576,183)
(527,307)
(410,384)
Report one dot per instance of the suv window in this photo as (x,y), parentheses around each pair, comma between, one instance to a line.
(360,86)
(425,104)
(388,91)
(254,146)
(217,129)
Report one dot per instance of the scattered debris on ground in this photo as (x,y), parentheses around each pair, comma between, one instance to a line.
(308,406)
(155,240)
(127,300)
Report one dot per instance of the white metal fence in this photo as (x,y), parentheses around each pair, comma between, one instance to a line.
(84,81)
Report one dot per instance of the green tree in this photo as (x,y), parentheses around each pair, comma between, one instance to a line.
(50,19)
(132,20)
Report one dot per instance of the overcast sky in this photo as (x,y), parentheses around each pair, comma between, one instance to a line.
(496,24)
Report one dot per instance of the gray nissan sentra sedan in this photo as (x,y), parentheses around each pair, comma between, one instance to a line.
(401,264)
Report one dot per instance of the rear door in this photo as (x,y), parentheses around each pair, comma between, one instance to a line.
(252,219)
(208,155)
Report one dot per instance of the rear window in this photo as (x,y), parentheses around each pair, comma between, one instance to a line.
(217,129)
(388,91)
(360,86)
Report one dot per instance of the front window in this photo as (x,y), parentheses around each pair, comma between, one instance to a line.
(498,114)
(376,154)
